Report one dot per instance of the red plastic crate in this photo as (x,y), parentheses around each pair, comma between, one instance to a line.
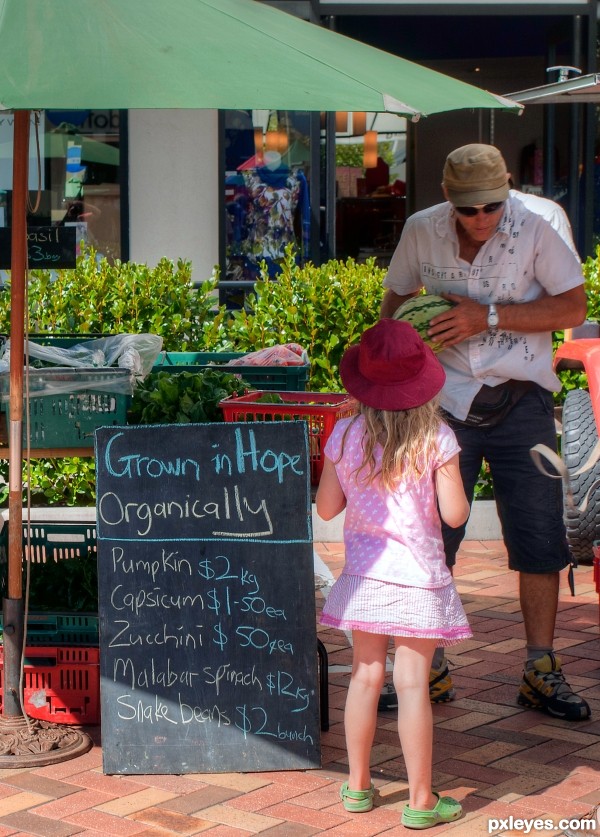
(61,685)
(320,409)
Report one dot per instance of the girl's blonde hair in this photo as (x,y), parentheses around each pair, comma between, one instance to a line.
(408,438)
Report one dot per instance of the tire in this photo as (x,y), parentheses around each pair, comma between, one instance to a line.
(579,436)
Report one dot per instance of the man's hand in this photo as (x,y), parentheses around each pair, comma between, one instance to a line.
(464,319)
(547,313)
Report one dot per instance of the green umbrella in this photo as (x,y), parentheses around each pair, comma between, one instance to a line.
(70,54)
(225,54)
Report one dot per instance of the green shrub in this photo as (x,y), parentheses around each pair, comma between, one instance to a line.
(575,378)
(351,154)
(99,297)
(62,482)
(325,309)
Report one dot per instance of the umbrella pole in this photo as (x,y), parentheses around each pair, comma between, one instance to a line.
(24,742)
(12,606)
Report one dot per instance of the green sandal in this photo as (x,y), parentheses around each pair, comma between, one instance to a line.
(446,810)
(357,802)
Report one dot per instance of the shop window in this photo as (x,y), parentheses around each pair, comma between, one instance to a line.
(370,157)
(77,182)
(267,201)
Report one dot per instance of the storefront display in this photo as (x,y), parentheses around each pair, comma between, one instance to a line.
(267,201)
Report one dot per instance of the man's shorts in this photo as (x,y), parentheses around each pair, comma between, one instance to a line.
(529,503)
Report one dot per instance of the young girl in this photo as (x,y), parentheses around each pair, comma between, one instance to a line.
(394,468)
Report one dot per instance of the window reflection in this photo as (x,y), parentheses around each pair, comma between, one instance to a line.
(76,181)
(370,158)
(267,202)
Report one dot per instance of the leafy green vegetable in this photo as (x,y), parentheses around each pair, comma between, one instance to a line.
(270,398)
(183,397)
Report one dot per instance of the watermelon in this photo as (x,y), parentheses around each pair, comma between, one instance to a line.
(419,311)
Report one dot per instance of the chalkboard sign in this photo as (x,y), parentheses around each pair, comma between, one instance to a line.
(208,649)
(47,247)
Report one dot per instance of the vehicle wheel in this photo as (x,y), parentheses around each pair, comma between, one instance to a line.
(579,437)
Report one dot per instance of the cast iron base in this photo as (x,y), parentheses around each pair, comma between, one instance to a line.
(27,742)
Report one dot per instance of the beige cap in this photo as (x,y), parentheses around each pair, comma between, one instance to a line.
(475,174)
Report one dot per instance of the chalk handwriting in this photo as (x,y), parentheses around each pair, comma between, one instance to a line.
(259,639)
(231,506)
(231,677)
(255,720)
(248,457)
(282,684)
(120,599)
(168,563)
(127,637)
(156,674)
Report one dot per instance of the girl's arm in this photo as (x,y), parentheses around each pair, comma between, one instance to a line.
(452,501)
(330,499)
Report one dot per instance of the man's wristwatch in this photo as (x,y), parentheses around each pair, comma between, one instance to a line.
(492,318)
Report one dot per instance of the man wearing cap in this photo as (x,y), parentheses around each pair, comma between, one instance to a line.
(513,281)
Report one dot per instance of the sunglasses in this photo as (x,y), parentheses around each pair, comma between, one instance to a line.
(472,211)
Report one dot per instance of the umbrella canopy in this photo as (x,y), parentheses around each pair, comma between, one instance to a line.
(225,54)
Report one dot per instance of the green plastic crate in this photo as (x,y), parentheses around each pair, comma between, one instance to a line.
(62,568)
(69,419)
(288,378)
(60,629)
(63,341)
(53,541)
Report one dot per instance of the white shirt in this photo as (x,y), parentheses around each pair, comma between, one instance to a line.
(551,211)
(522,261)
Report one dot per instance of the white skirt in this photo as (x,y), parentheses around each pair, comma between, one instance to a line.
(381,607)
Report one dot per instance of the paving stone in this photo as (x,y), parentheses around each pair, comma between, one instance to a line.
(253,822)
(170,821)
(31,823)
(133,802)
(42,784)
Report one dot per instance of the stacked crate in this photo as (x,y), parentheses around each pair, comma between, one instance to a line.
(61,666)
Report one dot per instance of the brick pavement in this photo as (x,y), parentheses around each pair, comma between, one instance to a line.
(500,760)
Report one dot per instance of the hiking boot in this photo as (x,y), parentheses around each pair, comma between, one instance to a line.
(544,687)
(388,699)
(441,689)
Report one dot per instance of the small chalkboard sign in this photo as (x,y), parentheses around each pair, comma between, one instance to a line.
(208,649)
(47,247)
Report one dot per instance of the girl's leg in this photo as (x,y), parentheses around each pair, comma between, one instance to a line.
(415,721)
(360,716)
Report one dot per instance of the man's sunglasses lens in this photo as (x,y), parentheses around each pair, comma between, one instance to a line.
(471,211)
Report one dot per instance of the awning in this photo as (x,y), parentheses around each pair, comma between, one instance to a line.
(583,89)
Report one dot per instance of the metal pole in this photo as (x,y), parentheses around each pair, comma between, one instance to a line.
(574,141)
(24,742)
(12,606)
(586,236)
(549,138)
